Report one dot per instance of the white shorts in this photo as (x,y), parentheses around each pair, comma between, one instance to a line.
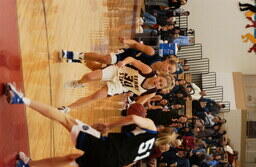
(113,58)
(80,126)
(110,74)
(113,55)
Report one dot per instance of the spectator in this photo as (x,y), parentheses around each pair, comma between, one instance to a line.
(195,92)
(181,68)
(212,106)
(184,40)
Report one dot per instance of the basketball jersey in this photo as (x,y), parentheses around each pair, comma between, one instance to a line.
(132,80)
(132,146)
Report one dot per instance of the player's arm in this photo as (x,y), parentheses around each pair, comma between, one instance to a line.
(156,98)
(145,98)
(138,46)
(130,165)
(145,69)
(134,119)
(152,107)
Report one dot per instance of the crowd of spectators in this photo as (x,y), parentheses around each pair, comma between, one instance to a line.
(202,139)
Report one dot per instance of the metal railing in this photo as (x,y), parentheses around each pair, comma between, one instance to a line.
(182,22)
(191,52)
(198,66)
(227,106)
(197,79)
(215,93)
(209,80)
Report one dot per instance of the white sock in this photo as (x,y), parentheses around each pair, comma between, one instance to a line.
(27,101)
(78,55)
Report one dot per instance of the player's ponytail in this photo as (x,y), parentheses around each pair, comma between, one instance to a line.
(166,137)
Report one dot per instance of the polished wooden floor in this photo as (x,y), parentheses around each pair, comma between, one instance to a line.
(46,27)
(13,124)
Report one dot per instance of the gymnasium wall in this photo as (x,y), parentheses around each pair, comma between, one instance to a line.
(219,25)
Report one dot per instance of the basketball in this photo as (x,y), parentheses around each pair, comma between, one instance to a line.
(137,109)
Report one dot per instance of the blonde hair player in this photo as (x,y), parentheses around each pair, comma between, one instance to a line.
(120,78)
(115,150)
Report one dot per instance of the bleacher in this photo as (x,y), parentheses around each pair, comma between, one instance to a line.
(199,72)
(199,66)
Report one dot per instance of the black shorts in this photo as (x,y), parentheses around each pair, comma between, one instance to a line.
(86,143)
(126,53)
(130,52)
(97,151)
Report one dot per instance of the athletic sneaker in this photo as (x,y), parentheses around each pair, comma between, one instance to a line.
(22,160)
(64,109)
(15,97)
(71,57)
(74,84)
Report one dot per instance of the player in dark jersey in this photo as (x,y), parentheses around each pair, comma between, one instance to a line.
(115,150)
(139,79)
(144,53)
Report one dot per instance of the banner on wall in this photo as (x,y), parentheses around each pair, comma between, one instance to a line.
(250,10)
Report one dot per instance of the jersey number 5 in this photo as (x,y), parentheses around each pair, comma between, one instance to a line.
(144,149)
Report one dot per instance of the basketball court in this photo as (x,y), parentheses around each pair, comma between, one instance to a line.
(32,34)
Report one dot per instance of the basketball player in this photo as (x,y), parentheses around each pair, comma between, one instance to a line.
(139,79)
(115,150)
(144,53)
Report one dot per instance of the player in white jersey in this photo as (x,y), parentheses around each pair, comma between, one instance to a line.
(138,78)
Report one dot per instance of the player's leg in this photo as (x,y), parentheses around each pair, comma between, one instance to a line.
(15,97)
(111,58)
(78,57)
(64,161)
(72,125)
(91,76)
(107,74)
(101,58)
(93,65)
(100,94)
